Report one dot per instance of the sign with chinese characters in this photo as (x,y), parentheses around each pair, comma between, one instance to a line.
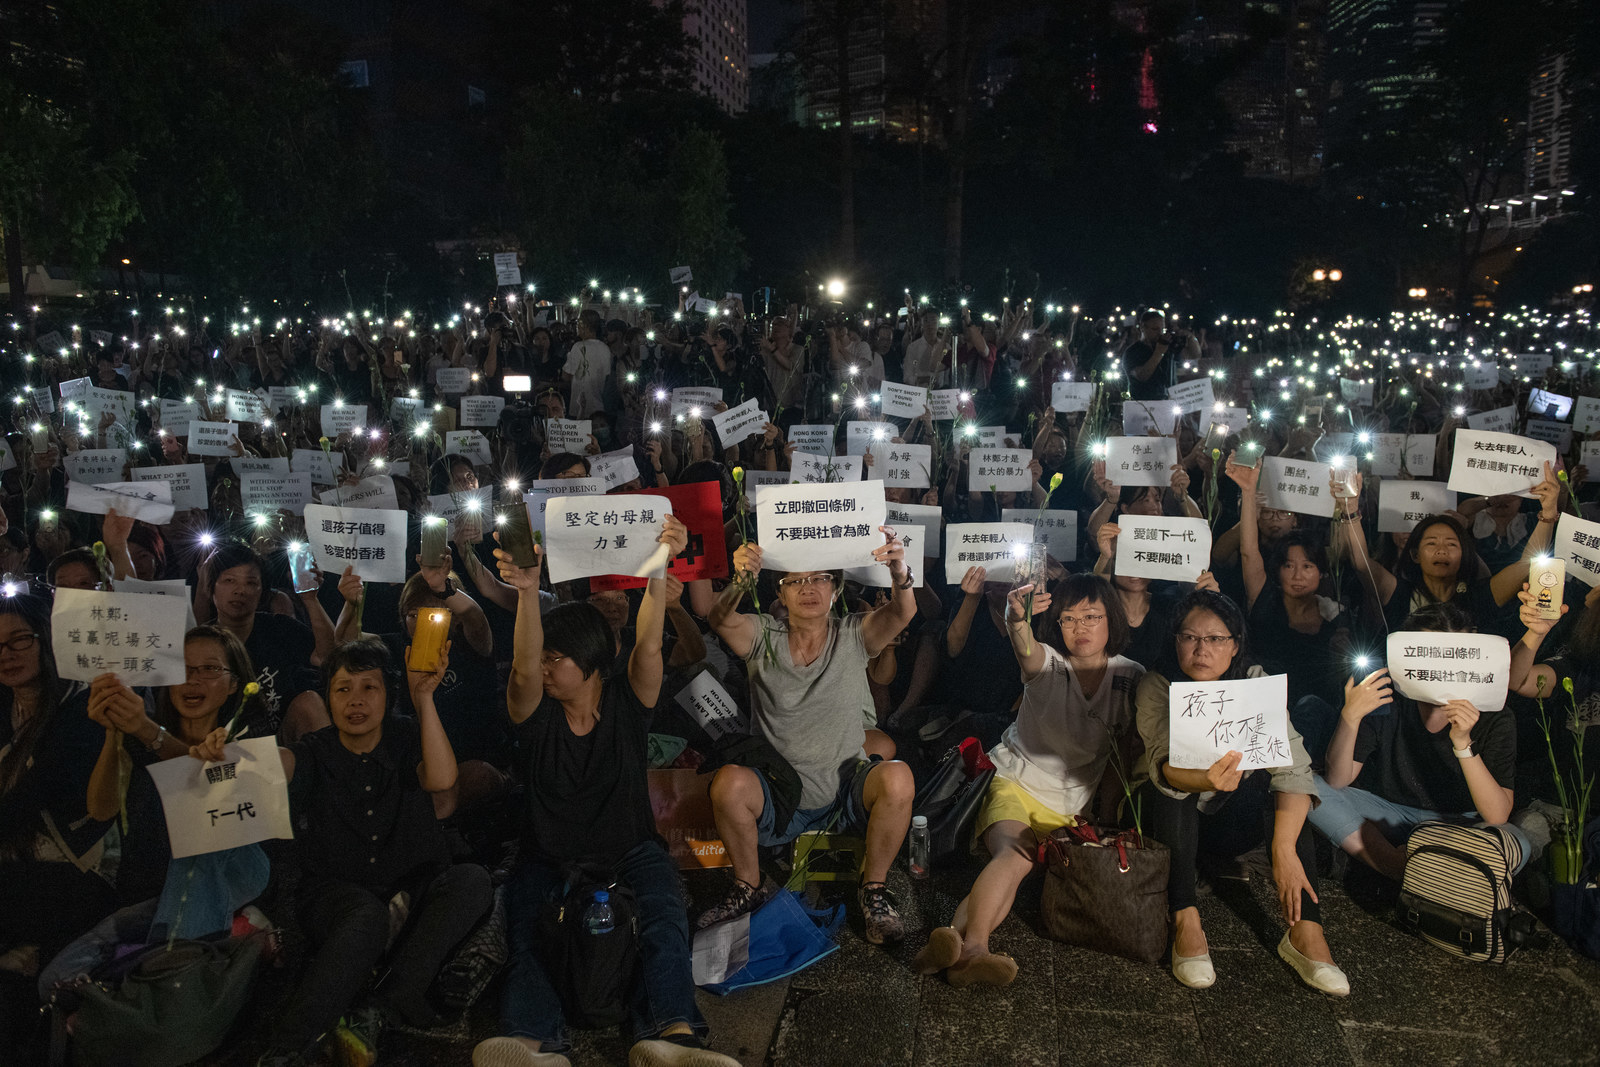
(754,479)
(177,414)
(1164,547)
(1355,392)
(696,400)
(992,437)
(212,438)
(814,470)
(188,482)
(1139,417)
(96,465)
(946,403)
(453,380)
(1476,375)
(374,492)
(240,800)
(1589,459)
(371,541)
(1578,543)
(737,423)
(930,517)
(1388,452)
(1071,396)
(1420,450)
(260,465)
(904,401)
(819,527)
(481,410)
(1192,396)
(862,435)
(1498,463)
(1141,460)
(1056,528)
(539,492)
(614,468)
(710,705)
(565,435)
(97,402)
(474,446)
(1207,720)
(261,494)
(588,535)
(149,502)
(1402,504)
(1435,668)
(877,576)
(1500,420)
(816,440)
(138,638)
(1004,470)
(1297,485)
(901,466)
(698,505)
(506,271)
(325,468)
(1586,414)
(994,546)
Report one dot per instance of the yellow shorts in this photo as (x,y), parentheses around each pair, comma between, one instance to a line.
(1009,802)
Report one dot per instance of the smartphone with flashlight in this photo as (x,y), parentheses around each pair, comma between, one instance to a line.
(516,537)
(1216,437)
(39,438)
(427,640)
(517,383)
(302,568)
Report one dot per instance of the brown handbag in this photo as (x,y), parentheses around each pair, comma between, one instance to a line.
(1106,889)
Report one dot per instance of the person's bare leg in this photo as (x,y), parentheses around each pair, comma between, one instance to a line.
(1306,937)
(1369,846)
(736,800)
(1011,848)
(1188,938)
(879,743)
(924,669)
(888,794)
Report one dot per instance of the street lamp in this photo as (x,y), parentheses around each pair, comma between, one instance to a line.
(836,288)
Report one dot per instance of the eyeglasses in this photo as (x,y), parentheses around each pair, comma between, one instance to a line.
(550,659)
(1209,640)
(20,643)
(206,672)
(801,583)
(1087,620)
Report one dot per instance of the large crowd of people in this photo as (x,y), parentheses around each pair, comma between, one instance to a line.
(415,794)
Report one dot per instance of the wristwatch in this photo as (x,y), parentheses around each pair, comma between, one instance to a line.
(1462,753)
(154,745)
(450,589)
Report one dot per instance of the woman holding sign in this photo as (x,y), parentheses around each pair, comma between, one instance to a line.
(1210,645)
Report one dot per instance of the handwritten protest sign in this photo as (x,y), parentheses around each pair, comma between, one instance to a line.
(260,464)
(1586,414)
(754,479)
(1497,463)
(1500,420)
(1141,460)
(994,546)
(242,405)
(1067,397)
(1164,547)
(342,418)
(1355,393)
(371,541)
(1207,720)
(710,705)
(1420,449)
(481,410)
(1057,529)
(816,440)
(737,423)
(187,481)
(1297,485)
(695,400)
(1192,396)
(240,800)
(151,503)
(473,445)
(1388,452)
(1578,543)
(1435,668)
(994,437)
(1005,470)
(698,505)
(819,527)
(211,438)
(1476,375)
(589,535)
(901,466)
(325,468)
(859,435)
(96,465)
(1402,504)
(369,493)
(476,504)
(506,271)
(539,492)
(614,468)
(405,409)
(453,380)
(813,470)
(946,403)
(97,402)
(262,494)
(177,414)
(929,517)
(138,638)
(1532,364)
(1140,417)
(72,390)
(903,401)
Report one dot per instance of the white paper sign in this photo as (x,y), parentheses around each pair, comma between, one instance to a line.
(52,343)
(1500,420)
(567,435)
(819,469)
(1005,470)
(453,380)
(815,440)
(176,416)
(187,481)
(1401,505)
(681,275)
(1435,668)
(860,435)
(280,397)
(241,800)
(1140,417)
(903,401)
(150,503)
(1555,433)
(990,545)
(472,444)
(1355,393)
(174,587)
(946,403)
(137,638)
(900,466)
(1192,396)
(373,542)
(737,423)
(325,468)
(819,527)
(1420,449)
(616,468)
(343,418)
(992,437)
(1141,460)
(1586,414)
(260,464)
(211,438)
(97,401)
(1071,396)
(1578,543)
(754,479)
(877,575)
(1477,376)
(1057,528)
(1388,454)
(405,408)
(481,410)
(1589,457)
(687,398)
(245,406)
(539,492)
(96,465)
(72,390)
(1297,485)
(1207,720)
(588,535)
(1497,463)
(262,494)
(474,503)
(1168,548)
(710,705)
(927,517)
(376,492)
(506,271)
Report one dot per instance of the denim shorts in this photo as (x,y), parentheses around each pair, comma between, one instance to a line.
(847,812)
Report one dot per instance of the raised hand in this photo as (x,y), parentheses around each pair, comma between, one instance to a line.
(972,581)
(519,578)
(1105,539)
(211,749)
(1366,696)
(1245,477)
(1226,774)
(1017,601)
(747,559)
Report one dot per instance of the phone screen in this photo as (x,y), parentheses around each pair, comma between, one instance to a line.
(302,568)
(517,383)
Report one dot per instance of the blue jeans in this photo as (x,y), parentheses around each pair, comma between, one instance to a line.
(663,992)
(1342,812)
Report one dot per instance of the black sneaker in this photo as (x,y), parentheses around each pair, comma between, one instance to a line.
(883,919)
(741,899)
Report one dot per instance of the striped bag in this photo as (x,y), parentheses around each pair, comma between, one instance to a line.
(1456,891)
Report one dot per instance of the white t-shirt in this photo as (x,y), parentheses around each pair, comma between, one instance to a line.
(589,363)
(1058,747)
(918,367)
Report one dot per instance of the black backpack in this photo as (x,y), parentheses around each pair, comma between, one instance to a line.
(592,973)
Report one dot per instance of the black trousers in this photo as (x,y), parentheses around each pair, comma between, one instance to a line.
(350,927)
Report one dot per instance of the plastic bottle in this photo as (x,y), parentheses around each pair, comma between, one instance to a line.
(598,917)
(919,846)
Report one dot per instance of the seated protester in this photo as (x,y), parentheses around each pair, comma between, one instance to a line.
(1440,563)
(1387,773)
(285,652)
(1077,712)
(810,702)
(1210,644)
(53,854)
(1500,526)
(1148,604)
(583,735)
(565,465)
(974,642)
(1578,662)
(366,795)
(74,569)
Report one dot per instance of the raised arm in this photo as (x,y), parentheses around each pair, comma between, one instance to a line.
(1347,518)
(738,631)
(525,690)
(1360,700)
(645,668)
(437,771)
(1505,584)
(882,625)
(1030,653)
(1529,677)
(1255,570)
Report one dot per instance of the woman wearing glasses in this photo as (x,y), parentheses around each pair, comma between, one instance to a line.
(1077,711)
(1188,807)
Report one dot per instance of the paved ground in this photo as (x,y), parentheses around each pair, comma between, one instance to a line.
(1410,1005)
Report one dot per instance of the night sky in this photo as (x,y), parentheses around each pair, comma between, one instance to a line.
(768,20)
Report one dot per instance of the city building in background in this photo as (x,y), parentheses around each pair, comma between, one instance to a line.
(719,35)
(1373,68)
(1276,101)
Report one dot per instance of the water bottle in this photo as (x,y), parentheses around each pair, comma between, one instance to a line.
(919,846)
(598,917)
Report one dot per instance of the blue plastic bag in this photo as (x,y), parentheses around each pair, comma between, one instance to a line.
(786,937)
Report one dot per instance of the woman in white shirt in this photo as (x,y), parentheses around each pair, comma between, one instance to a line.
(1077,707)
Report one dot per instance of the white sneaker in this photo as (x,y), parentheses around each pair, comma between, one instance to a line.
(1323,977)
(1195,972)
(659,1052)
(509,1052)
